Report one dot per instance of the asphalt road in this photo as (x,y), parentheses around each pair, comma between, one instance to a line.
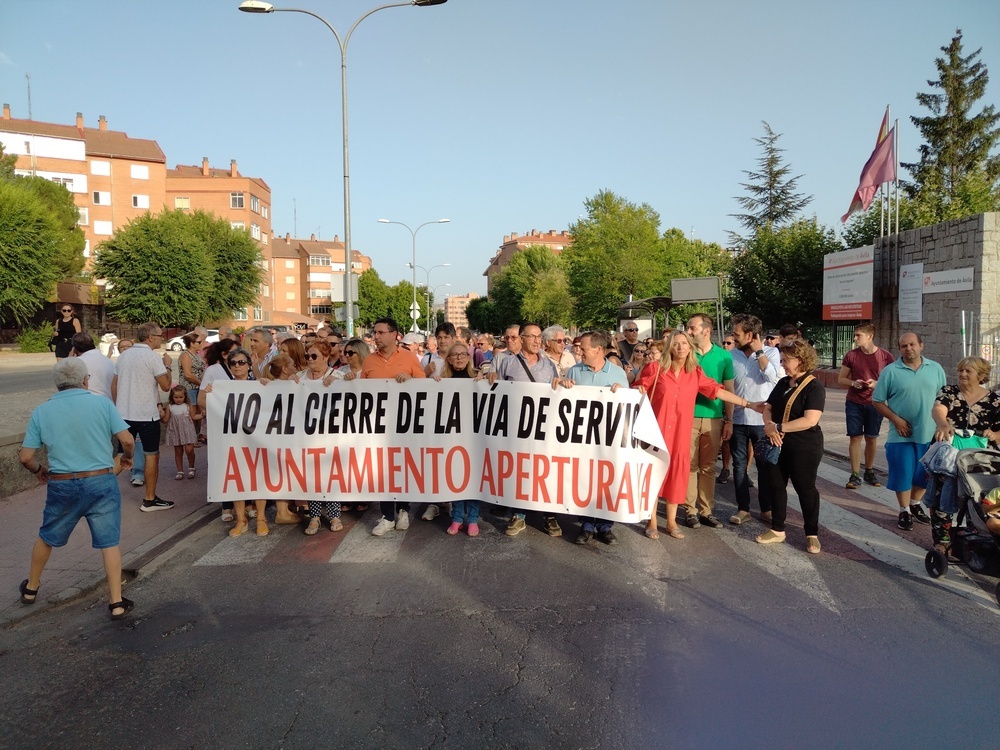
(421,640)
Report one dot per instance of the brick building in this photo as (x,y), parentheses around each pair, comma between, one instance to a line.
(113,178)
(514,243)
(454,308)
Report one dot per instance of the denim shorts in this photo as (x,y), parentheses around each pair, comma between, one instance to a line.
(148,434)
(862,419)
(97,499)
(905,469)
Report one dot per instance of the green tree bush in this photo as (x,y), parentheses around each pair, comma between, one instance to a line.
(35,340)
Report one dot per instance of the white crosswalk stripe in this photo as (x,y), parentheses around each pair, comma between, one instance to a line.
(244,550)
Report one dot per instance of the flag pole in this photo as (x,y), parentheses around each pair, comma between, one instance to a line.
(896,144)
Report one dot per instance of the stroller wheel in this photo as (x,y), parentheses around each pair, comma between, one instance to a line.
(936,563)
(975,561)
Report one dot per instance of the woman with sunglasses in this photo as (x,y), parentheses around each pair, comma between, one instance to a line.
(353,353)
(318,368)
(640,358)
(238,367)
(65,327)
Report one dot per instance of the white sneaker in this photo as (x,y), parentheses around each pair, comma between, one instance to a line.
(402,520)
(430,514)
(138,481)
(383,525)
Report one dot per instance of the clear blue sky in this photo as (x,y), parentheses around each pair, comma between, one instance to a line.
(501,115)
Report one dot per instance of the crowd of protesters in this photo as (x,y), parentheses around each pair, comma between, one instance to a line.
(751,398)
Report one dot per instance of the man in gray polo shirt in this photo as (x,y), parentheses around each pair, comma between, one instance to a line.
(529,366)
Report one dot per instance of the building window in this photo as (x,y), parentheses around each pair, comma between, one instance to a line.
(139,171)
(319,293)
(319,260)
(140,201)
(238,225)
(289,264)
(255,231)
(236,200)
(263,238)
(289,295)
(289,279)
(239,314)
(84,219)
(264,212)
(254,203)
(65,181)
(258,312)
(101,168)
(103,228)
(182,203)
(102,198)
(86,248)
(265,290)
(320,309)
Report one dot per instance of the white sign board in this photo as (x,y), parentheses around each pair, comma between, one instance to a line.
(911,291)
(848,277)
(955,280)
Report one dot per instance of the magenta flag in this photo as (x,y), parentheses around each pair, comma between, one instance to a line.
(880,167)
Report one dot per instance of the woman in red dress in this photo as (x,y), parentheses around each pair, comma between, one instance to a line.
(673,383)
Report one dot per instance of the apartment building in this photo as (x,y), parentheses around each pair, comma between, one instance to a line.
(454,308)
(245,202)
(113,178)
(308,273)
(514,243)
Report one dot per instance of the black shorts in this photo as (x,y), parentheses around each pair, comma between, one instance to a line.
(148,434)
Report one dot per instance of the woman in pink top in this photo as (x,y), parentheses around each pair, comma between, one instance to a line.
(673,383)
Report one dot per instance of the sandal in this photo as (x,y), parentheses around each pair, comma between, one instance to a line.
(336,525)
(191,473)
(239,529)
(125,604)
(227,516)
(26,592)
(179,475)
(262,529)
(313,526)
(652,533)
(675,533)
(361,507)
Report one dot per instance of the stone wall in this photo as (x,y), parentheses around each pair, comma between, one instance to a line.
(972,242)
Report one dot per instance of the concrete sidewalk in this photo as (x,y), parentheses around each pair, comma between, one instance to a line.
(76,569)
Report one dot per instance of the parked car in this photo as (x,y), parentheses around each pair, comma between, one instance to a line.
(176,344)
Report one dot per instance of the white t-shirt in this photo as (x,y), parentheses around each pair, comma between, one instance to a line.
(101,371)
(138,391)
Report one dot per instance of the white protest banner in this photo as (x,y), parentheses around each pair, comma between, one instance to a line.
(583,451)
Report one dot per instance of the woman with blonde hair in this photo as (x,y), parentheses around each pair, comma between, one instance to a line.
(672,384)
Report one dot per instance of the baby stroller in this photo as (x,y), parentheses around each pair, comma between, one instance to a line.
(977,472)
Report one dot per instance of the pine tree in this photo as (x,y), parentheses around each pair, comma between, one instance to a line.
(772,200)
(957,175)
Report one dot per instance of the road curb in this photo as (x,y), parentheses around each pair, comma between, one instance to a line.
(136,562)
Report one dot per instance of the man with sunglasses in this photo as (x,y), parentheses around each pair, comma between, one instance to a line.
(512,340)
(554,340)
(626,345)
(134,390)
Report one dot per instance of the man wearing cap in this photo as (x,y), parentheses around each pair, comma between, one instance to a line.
(76,428)
(412,342)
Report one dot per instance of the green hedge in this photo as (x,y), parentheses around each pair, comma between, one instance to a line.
(35,340)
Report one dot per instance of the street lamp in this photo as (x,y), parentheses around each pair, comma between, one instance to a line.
(431,294)
(259,6)
(427,271)
(414,309)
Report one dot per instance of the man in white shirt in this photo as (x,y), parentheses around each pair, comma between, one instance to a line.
(554,341)
(134,391)
(100,369)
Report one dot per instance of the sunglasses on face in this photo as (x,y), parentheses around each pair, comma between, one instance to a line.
(67,309)
(238,363)
(349,352)
(631,330)
(312,356)
(641,351)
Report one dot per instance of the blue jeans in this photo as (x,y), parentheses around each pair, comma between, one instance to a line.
(138,462)
(465,511)
(597,525)
(97,499)
(739,447)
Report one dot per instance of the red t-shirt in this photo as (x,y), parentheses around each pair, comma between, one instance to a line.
(865,367)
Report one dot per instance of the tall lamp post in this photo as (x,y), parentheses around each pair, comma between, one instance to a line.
(259,6)
(427,271)
(413,264)
(431,294)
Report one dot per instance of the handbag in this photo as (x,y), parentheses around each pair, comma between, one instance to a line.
(763,448)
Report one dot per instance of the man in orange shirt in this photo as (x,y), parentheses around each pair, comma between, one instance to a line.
(387,362)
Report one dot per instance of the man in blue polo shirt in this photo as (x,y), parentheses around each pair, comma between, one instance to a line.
(596,370)
(905,395)
(76,427)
